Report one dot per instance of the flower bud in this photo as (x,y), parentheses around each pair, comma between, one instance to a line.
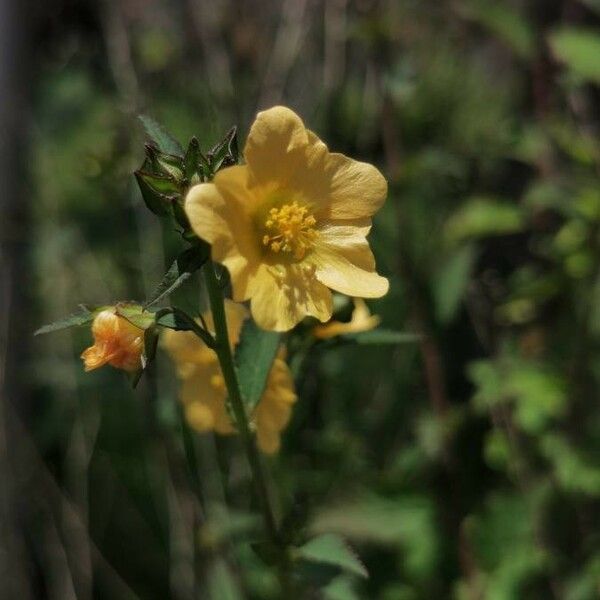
(117,342)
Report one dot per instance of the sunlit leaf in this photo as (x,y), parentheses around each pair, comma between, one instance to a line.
(331,549)
(579,49)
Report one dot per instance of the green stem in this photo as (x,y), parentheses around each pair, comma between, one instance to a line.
(223,350)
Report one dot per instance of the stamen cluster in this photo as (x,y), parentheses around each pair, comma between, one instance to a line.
(291,229)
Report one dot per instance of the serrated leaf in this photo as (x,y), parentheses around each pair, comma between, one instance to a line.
(579,49)
(383,336)
(163,139)
(254,357)
(83,317)
(180,271)
(331,549)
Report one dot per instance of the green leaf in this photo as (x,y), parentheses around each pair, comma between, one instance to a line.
(254,356)
(503,21)
(341,588)
(579,49)
(382,336)
(136,314)
(405,521)
(482,217)
(331,549)
(220,581)
(83,317)
(163,139)
(451,281)
(180,271)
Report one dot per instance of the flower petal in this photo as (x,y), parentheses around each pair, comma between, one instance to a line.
(216,213)
(344,261)
(340,187)
(274,140)
(275,407)
(357,189)
(197,390)
(283,295)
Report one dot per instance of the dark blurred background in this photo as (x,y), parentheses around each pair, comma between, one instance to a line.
(465,466)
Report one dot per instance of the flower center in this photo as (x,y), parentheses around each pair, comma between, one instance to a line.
(289,228)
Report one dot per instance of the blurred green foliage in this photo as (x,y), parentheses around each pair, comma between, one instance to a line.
(465,465)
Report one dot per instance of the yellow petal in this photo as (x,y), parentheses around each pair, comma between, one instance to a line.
(338,186)
(285,294)
(186,350)
(269,442)
(274,143)
(217,214)
(198,390)
(236,314)
(357,189)
(362,320)
(344,261)
(275,407)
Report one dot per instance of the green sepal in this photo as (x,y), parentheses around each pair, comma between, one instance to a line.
(171,166)
(225,153)
(156,202)
(164,185)
(191,160)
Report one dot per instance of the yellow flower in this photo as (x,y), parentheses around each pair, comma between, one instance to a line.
(203,390)
(361,320)
(291,223)
(117,342)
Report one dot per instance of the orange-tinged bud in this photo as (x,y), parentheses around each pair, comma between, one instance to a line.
(117,342)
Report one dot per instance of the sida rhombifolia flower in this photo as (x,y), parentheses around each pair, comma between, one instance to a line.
(292,223)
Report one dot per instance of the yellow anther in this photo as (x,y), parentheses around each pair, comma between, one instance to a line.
(290,229)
